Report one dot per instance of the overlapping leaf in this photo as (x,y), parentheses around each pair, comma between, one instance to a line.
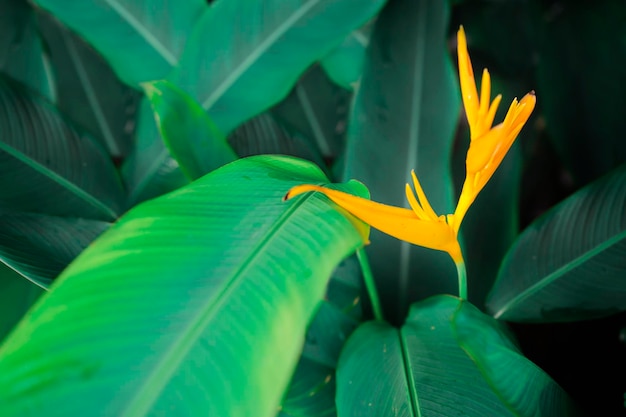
(141,39)
(444,361)
(188,305)
(569,264)
(47,166)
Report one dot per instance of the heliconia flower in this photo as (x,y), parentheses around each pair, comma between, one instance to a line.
(488,145)
(419,225)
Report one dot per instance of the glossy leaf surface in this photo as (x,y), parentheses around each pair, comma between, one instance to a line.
(569,264)
(39,247)
(424,369)
(404,118)
(47,166)
(197,299)
(189,134)
(141,39)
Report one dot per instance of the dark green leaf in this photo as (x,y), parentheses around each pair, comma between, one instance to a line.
(196,300)
(39,247)
(317,109)
(443,362)
(89,93)
(263,135)
(189,134)
(16,296)
(46,166)
(404,118)
(245,56)
(21,53)
(141,40)
(570,263)
(581,56)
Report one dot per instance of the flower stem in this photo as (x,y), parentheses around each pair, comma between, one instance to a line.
(370,286)
(462,274)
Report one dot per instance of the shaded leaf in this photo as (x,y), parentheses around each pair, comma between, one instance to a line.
(569,264)
(47,166)
(317,109)
(198,298)
(89,92)
(189,134)
(423,368)
(404,118)
(21,52)
(39,247)
(141,40)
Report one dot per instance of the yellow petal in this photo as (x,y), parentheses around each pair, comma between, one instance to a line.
(398,222)
(466,77)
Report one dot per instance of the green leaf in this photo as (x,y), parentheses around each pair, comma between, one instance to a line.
(263,47)
(142,40)
(21,51)
(404,118)
(47,166)
(444,361)
(150,171)
(89,92)
(39,247)
(580,84)
(263,135)
(344,64)
(16,296)
(197,299)
(317,109)
(569,264)
(189,134)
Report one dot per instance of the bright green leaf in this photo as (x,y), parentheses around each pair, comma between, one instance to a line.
(569,264)
(189,134)
(404,117)
(47,166)
(188,305)
(141,39)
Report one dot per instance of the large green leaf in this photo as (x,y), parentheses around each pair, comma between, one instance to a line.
(39,247)
(195,303)
(16,296)
(570,263)
(404,118)
(89,92)
(245,56)
(141,39)
(47,166)
(581,55)
(21,53)
(446,360)
(190,135)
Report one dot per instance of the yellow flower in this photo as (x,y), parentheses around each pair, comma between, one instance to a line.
(489,144)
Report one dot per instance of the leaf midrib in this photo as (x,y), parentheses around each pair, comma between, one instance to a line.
(256,53)
(154,383)
(406,361)
(561,271)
